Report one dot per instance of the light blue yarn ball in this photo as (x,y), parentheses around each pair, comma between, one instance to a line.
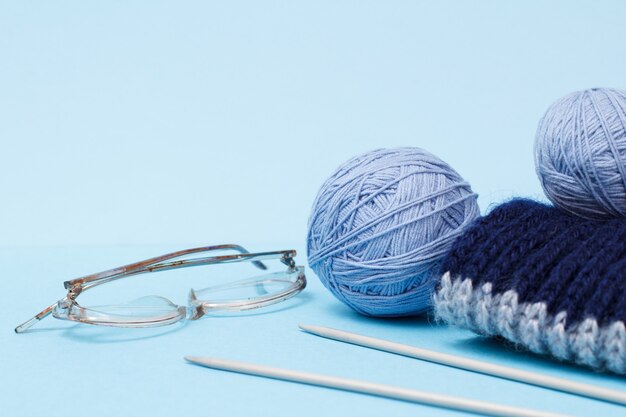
(380,226)
(580,153)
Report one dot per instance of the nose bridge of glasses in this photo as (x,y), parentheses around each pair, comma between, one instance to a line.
(194,310)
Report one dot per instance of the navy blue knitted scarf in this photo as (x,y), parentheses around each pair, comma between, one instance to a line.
(543,279)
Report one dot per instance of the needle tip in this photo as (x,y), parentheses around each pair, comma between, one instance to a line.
(307,328)
(317,330)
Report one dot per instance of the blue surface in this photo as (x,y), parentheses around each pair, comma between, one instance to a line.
(101,371)
(132,128)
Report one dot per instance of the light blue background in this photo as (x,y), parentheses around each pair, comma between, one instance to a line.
(130,128)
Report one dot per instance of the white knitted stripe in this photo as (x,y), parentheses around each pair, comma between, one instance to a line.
(530,325)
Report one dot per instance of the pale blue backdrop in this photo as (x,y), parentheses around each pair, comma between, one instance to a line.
(160,122)
(131,127)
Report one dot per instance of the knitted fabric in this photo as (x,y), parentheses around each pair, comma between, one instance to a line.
(543,279)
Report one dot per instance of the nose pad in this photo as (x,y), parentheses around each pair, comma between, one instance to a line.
(194,308)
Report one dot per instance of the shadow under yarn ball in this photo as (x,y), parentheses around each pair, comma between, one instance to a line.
(580,153)
(380,226)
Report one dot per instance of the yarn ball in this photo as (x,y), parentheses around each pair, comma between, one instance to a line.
(580,153)
(380,226)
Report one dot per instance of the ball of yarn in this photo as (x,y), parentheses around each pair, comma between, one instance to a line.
(380,226)
(580,153)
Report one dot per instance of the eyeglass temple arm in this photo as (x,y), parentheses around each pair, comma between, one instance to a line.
(34,320)
(142,266)
(237,248)
(241,249)
(88,282)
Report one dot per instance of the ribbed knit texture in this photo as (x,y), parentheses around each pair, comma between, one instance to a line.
(549,281)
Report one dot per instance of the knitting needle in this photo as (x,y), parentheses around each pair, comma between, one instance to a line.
(363,387)
(545,381)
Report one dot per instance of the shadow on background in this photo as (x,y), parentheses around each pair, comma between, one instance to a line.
(102,334)
(341,312)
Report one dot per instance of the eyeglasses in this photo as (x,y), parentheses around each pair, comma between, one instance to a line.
(152,311)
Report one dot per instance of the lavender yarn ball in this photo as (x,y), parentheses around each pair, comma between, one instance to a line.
(380,226)
(580,153)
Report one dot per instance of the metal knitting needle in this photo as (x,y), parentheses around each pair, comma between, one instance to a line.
(513,374)
(363,387)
